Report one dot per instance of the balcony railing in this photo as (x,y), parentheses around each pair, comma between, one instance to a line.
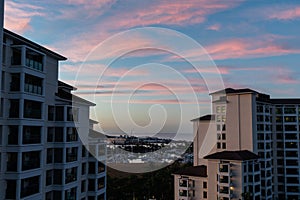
(35,89)
(34,64)
(183,183)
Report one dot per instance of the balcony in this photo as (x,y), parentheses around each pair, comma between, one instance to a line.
(224,180)
(183,183)
(224,168)
(224,190)
(31,135)
(34,64)
(183,193)
(33,84)
(32,109)
(70,177)
(30,160)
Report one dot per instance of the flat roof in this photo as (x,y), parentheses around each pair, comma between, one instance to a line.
(208,117)
(198,171)
(233,155)
(285,101)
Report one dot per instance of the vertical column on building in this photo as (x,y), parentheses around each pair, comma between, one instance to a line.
(2,182)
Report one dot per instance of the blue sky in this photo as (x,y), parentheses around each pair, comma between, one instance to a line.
(254,44)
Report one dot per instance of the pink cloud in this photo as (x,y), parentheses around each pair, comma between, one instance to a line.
(284,76)
(141,14)
(248,48)
(18,16)
(221,70)
(214,27)
(285,14)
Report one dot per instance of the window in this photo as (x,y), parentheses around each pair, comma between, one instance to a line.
(59,134)
(11,190)
(92,168)
(30,186)
(290,128)
(91,184)
(71,175)
(49,156)
(218,109)
(49,176)
(14,108)
(71,154)
(33,84)
(57,178)
(31,134)
(58,155)
(13,135)
(223,136)
(30,160)
(71,134)
(32,109)
(223,109)
(34,60)
(51,113)
(15,82)
(59,113)
(83,185)
(101,167)
(101,183)
(290,119)
(204,184)
(218,145)
(12,161)
(83,168)
(290,110)
(223,145)
(70,194)
(73,114)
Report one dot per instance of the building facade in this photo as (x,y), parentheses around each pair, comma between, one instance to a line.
(42,155)
(246,120)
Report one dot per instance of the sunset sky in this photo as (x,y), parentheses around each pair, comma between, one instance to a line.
(254,44)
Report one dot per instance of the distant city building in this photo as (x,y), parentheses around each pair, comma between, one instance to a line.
(256,153)
(42,156)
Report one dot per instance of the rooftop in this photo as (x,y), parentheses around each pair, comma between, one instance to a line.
(235,91)
(285,101)
(205,118)
(233,155)
(33,44)
(199,171)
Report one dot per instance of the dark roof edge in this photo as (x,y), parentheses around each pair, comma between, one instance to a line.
(207,117)
(37,46)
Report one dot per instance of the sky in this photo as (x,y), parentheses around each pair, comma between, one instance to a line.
(150,80)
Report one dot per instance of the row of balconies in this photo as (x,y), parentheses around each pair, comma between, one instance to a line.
(25,56)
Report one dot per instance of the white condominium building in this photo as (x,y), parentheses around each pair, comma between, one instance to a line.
(41,153)
(256,141)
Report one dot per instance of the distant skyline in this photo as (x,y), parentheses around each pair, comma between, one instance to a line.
(254,44)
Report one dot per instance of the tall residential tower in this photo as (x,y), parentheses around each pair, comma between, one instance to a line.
(255,152)
(41,153)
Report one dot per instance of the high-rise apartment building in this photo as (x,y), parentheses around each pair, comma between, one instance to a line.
(255,141)
(42,155)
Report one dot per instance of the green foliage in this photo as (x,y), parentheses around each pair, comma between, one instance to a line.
(159,184)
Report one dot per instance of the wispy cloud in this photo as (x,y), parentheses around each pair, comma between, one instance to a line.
(18,16)
(285,13)
(214,27)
